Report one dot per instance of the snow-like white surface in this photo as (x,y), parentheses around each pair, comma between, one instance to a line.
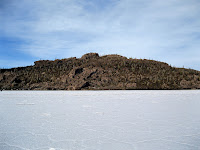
(100,120)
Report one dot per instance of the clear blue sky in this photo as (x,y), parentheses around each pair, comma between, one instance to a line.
(162,30)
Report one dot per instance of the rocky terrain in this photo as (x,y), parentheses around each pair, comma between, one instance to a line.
(92,72)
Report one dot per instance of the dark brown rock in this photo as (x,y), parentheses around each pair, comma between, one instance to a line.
(90,56)
(92,72)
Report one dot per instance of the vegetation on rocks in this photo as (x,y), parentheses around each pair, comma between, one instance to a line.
(92,72)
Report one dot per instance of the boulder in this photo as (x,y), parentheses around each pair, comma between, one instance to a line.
(90,56)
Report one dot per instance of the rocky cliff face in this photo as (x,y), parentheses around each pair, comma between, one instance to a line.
(92,72)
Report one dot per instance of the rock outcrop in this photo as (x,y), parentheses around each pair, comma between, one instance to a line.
(94,72)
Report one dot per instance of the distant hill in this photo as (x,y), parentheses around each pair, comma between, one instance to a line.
(92,72)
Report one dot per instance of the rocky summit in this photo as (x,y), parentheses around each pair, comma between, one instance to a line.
(94,72)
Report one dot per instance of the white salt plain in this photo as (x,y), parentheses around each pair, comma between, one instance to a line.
(100,120)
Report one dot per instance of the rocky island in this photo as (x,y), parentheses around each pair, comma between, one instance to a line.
(94,72)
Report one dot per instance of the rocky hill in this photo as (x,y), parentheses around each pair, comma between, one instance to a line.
(92,72)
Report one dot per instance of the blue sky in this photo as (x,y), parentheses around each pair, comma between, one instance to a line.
(167,31)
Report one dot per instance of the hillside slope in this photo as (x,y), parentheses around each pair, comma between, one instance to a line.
(93,72)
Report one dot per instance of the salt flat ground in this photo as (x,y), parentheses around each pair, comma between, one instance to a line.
(100,120)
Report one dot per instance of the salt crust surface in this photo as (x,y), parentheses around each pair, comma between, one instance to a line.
(100,120)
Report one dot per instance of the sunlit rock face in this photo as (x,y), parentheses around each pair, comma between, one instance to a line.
(90,56)
(99,120)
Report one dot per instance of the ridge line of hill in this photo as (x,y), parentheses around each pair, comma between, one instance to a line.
(94,72)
